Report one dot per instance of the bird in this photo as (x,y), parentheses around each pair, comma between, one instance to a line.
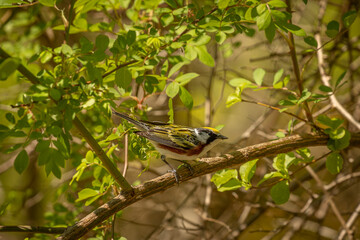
(176,142)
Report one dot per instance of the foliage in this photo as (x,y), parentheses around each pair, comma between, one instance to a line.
(138,51)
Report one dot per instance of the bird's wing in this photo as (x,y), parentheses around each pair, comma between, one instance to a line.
(175,136)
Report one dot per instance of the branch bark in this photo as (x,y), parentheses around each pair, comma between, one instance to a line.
(202,167)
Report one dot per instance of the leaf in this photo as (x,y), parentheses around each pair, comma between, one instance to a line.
(270,32)
(223,3)
(42,145)
(349,18)
(186,78)
(247,170)
(86,45)
(166,19)
(310,41)
(280,192)
(123,77)
(177,67)
(102,42)
(55,94)
(220,37)
(240,82)
(334,163)
(332,123)
(172,89)
(10,117)
(130,37)
(190,52)
(232,99)
(277,76)
(339,144)
(332,29)
(204,56)
(186,97)
(270,176)
(225,176)
(277,3)
(48,3)
(171,111)
(21,162)
(258,75)
(89,156)
(86,193)
(324,88)
(7,67)
(263,21)
(304,96)
(340,78)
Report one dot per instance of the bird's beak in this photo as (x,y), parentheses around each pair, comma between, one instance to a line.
(222,137)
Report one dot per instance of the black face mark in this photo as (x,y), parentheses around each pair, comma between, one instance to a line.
(212,136)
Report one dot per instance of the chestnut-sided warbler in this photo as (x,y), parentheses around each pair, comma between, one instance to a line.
(175,141)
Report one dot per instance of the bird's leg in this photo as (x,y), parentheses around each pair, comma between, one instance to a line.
(187,165)
(173,170)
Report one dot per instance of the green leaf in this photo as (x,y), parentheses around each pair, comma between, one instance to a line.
(123,77)
(349,18)
(66,49)
(334,163)
(332,29)
(171,111)
(166,19)
(223,3)
(204,56)
(277,3)
(86,45)
(102,42)
(270,32)
(294,29)
(177,67)
(258,75)
(130,37)
(324,88)
(240,82)
(339,144)
(10,117)
(186,78)
(89,156)
(279,163)
(333,123)
(7,67)
(277,76)
(172,89)
(247,170)
(304,96)
(263,21)
(340,78)
(280,192)
(86,193)
(55,94)
(311,41)
(226,180)
(190,52)
(42,145)
(232,99)
(305,154)
(48,3)
(45,156)
(220,37)
(270,176)
(21,162)
(186,97)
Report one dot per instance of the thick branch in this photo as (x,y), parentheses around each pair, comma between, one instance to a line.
(32,229)
(202,167)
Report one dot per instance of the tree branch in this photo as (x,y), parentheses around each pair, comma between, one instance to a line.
(201,167)
(32,229)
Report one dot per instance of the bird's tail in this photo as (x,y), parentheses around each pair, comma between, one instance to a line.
(138,124)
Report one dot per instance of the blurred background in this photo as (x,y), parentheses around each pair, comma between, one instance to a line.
(195,209)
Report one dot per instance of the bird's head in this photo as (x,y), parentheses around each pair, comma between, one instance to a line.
(207,135)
